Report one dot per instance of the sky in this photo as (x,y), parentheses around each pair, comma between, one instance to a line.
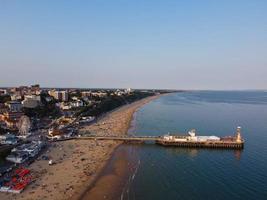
(169,44)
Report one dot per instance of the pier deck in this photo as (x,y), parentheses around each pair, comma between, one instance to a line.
(228,144)
(121,138)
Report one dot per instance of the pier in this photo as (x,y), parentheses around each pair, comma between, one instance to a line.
(190,141)
(161,141)
(121,138)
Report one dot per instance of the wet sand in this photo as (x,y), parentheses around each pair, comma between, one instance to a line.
(79,163)
(112,180)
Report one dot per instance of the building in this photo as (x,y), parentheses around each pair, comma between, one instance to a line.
(15,97)
(7,136)
(35,89)
(32,149)
(14,106)
(64,106)
(54,134)
(32,97)
(119,93)
(52,93)
(86,93)
(17,157)
(15,116)
(31,101)
(8,139)
(77,104)
(12,118)
(3,108)
(25,90)
(99,94)
(19,91)
(65,96)
(128,90)
(75,98)
(2,117)
(59,95)
(3,92)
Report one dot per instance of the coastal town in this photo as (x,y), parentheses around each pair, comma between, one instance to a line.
(46,133)
(32,119)
(133,100)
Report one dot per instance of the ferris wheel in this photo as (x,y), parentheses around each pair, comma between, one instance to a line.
(24,125)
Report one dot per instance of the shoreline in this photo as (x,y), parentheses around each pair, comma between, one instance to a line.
(98,189)
(78,164)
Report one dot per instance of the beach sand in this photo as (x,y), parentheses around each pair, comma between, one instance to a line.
(78,163)
(113,179)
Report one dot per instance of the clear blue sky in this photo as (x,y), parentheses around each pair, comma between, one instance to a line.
(139,44)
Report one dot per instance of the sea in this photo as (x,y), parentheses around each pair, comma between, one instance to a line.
(187,173)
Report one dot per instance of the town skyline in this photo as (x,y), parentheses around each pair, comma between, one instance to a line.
(118,88)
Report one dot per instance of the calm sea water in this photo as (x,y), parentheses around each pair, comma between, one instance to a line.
(175,173)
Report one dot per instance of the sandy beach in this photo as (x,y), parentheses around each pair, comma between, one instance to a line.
(78,163)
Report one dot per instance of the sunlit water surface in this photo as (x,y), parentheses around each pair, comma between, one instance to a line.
(176,173)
